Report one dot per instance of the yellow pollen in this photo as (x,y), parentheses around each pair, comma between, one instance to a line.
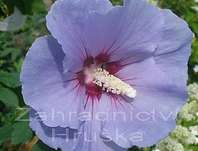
(110,83)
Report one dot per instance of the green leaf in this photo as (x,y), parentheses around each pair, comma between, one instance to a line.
(5,133)
(38,6)
(37,147)
(8,97)
(117,2)
(191,147)
(25,6)
(21,133)
(10,79)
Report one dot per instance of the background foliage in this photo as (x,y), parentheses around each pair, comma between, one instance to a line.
(14,43)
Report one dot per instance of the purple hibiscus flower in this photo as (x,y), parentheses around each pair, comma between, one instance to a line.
(109,77)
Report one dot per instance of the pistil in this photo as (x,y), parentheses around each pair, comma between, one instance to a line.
(111,83)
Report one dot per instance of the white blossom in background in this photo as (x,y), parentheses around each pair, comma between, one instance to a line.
(169,144)
(196,67)
(195,8)
(156,150)
(189,111)
(184,135)
(193,91)
(194,130)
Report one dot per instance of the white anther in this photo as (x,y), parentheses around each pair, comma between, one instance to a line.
(112,84)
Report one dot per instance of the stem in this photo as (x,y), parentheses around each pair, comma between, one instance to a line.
(28,146)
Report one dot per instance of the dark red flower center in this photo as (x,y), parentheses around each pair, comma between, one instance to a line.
(100,61)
